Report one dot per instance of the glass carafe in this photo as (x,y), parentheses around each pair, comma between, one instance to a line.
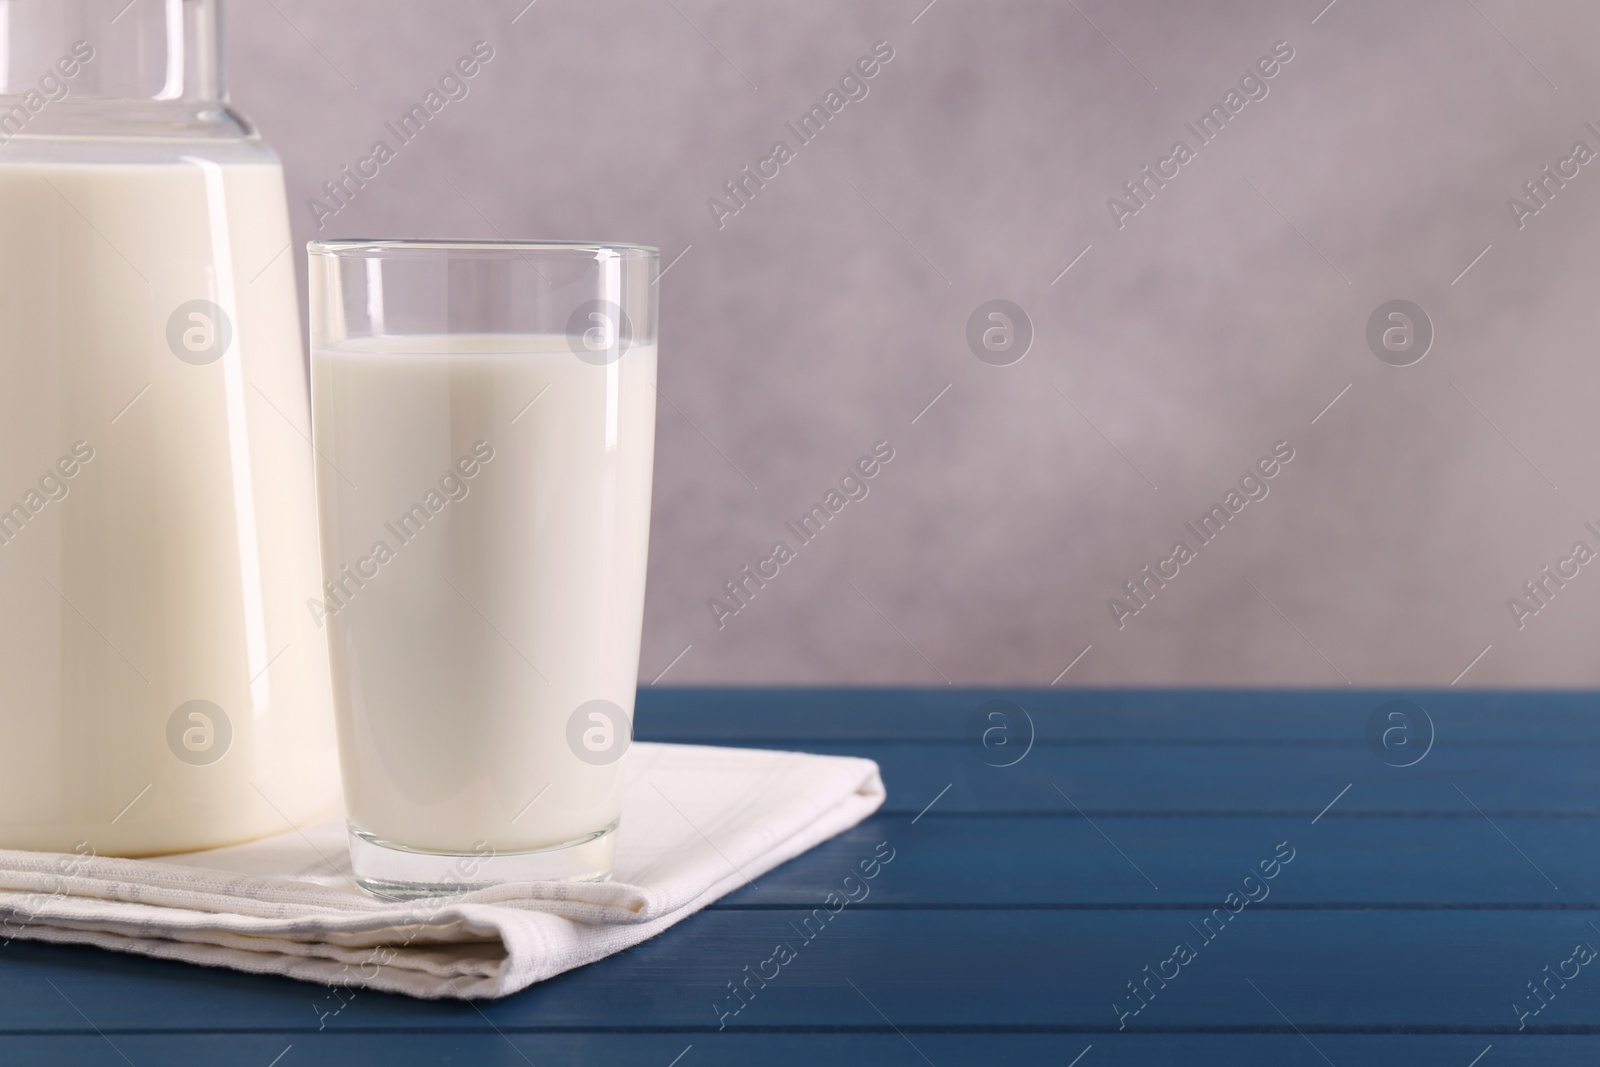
(163,686)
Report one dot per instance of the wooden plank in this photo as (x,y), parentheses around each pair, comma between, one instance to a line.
(1300,779)
(926,971)
(1045,861)
(789,1049)
(735,715)
(1460,970)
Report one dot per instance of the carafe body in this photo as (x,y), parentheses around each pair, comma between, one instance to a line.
(163,686)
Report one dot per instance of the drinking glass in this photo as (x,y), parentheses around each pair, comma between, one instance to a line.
(484,425)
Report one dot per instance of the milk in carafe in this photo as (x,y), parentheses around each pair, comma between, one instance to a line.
(161,688)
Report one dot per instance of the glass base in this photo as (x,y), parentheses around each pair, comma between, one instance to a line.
(396,872)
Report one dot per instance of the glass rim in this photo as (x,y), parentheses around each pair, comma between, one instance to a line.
(356,246)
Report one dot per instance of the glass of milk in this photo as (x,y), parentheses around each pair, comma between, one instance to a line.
(484,424)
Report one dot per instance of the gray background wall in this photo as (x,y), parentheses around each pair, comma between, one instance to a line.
(1222,318)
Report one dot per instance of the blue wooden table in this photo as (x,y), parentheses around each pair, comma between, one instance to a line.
(1087,878)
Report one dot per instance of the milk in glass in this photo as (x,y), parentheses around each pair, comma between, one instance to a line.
(486,512)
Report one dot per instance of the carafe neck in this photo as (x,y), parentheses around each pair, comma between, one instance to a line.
(112,67)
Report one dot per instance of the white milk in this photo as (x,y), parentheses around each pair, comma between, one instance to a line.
(174,565)
(464,640)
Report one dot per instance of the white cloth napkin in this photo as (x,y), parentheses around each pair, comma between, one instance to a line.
(697,823)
